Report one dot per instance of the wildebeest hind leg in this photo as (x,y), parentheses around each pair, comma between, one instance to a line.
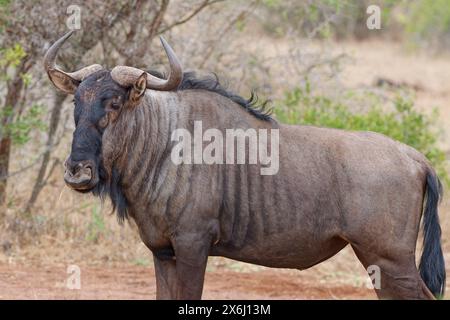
(399,278)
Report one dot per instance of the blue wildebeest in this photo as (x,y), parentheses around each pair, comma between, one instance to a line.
(333,187)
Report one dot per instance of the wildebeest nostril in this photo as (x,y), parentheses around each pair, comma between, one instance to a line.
(73,168)
(68,166)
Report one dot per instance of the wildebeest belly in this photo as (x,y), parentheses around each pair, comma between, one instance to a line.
(283,252)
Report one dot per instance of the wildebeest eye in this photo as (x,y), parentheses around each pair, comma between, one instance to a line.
(113,105)
(103,121)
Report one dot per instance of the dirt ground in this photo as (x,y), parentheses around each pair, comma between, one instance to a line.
(138,282)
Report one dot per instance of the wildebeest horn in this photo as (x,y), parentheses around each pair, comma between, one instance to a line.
(126,76)
(50,62)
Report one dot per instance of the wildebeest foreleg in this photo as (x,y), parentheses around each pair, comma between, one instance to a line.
(166,277)
(191,253)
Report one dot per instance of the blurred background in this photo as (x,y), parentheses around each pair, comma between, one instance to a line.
(318,63)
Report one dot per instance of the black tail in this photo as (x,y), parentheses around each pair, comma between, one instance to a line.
(432,265)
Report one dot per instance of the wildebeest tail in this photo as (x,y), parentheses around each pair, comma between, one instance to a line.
(432,264)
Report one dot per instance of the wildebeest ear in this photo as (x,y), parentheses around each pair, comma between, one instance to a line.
(139,86)
(63,82)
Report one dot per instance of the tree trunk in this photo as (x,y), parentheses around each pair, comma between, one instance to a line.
(58,100)
(14,89)
(5,150)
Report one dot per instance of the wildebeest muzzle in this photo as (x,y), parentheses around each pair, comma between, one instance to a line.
(81,175)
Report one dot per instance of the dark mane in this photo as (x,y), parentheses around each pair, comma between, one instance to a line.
(212,83)
(112,187)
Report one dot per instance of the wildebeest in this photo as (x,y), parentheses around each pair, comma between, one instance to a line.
(333,188)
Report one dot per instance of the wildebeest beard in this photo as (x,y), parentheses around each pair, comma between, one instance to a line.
(110,185)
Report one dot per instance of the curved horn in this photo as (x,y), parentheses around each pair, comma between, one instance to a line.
(127,76)
(50,62)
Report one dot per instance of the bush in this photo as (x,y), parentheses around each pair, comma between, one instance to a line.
(323,18)
(428,22)
(304,18)
(403,122)
(422,22)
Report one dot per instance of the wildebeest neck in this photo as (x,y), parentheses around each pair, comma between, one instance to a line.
(139,145)
(138,142)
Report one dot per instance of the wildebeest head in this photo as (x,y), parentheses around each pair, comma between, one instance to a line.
(101,96)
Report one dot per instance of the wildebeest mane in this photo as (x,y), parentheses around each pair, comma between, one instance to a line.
(211,83)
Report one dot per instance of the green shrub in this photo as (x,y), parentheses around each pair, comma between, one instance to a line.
(299,16)
(21,128)
(324,18)
(428,21)
(403,122)
(423,22)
